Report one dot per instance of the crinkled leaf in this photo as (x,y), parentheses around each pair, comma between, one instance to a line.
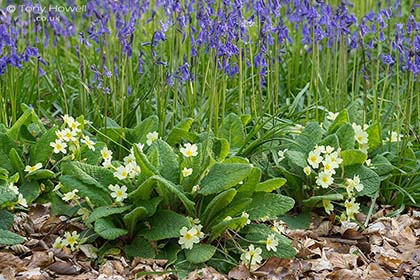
(165,224)
(200,253)
(341,119)
(144,209)
(351,157)
(250,182)
(270,185)
(40,174)
(180,131)
(330,140)
(374,136)
(97,176)
(6,144)
(139,133)
(217,204)
(106,211)
(381,165)
(6,219)
(143,191)
(306,141)
(316,201)
(27,117)
(368,178)
(106,229)
(16,161)
(269,205)
(162,156)
(233,224)
(10,238)
(97,196)
(220,148)
(236,207)
(296,158)
(345,136)
(233,130)
(140,247)
(223,176)
(30,190)
(41,151)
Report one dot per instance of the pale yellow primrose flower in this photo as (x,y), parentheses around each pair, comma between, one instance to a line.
(332,116)
(13,188)
(198,229)
(246,215)
(130,158)
(307,170)
(71,239)
(271,243)
(189,150)
(328,206)
(75,126)
(140,147)
(314,159)
(122,173)
(329,149)
(360,135)
(118,192)
(36,167)
(59,146)
(195,188)
(319,149)
(334,159)
(89,143)
(187,171)
(70,195)
(188,238)
(324,179)
(282,154)
(58,243)
(394,136)
(252,255)
(68,119)
(151,137)
(354,183)
(106,154)
(22,201)
(69,135)
(351,207)
(328,166)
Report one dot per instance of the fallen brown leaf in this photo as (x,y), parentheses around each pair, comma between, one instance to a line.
(8,260)
(65,268)
(239,272)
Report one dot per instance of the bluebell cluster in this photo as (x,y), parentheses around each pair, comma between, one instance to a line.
(256,32)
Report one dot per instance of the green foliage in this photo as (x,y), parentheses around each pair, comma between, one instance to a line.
(346,155)
(223,176)
(165,224)
(106,229)
(269,205)
(153,195)
(200,253)
(10,238)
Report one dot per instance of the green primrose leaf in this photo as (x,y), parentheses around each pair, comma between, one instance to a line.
(223,176)
(200,253)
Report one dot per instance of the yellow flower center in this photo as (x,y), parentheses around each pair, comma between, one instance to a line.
(188,236)
(71,240)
